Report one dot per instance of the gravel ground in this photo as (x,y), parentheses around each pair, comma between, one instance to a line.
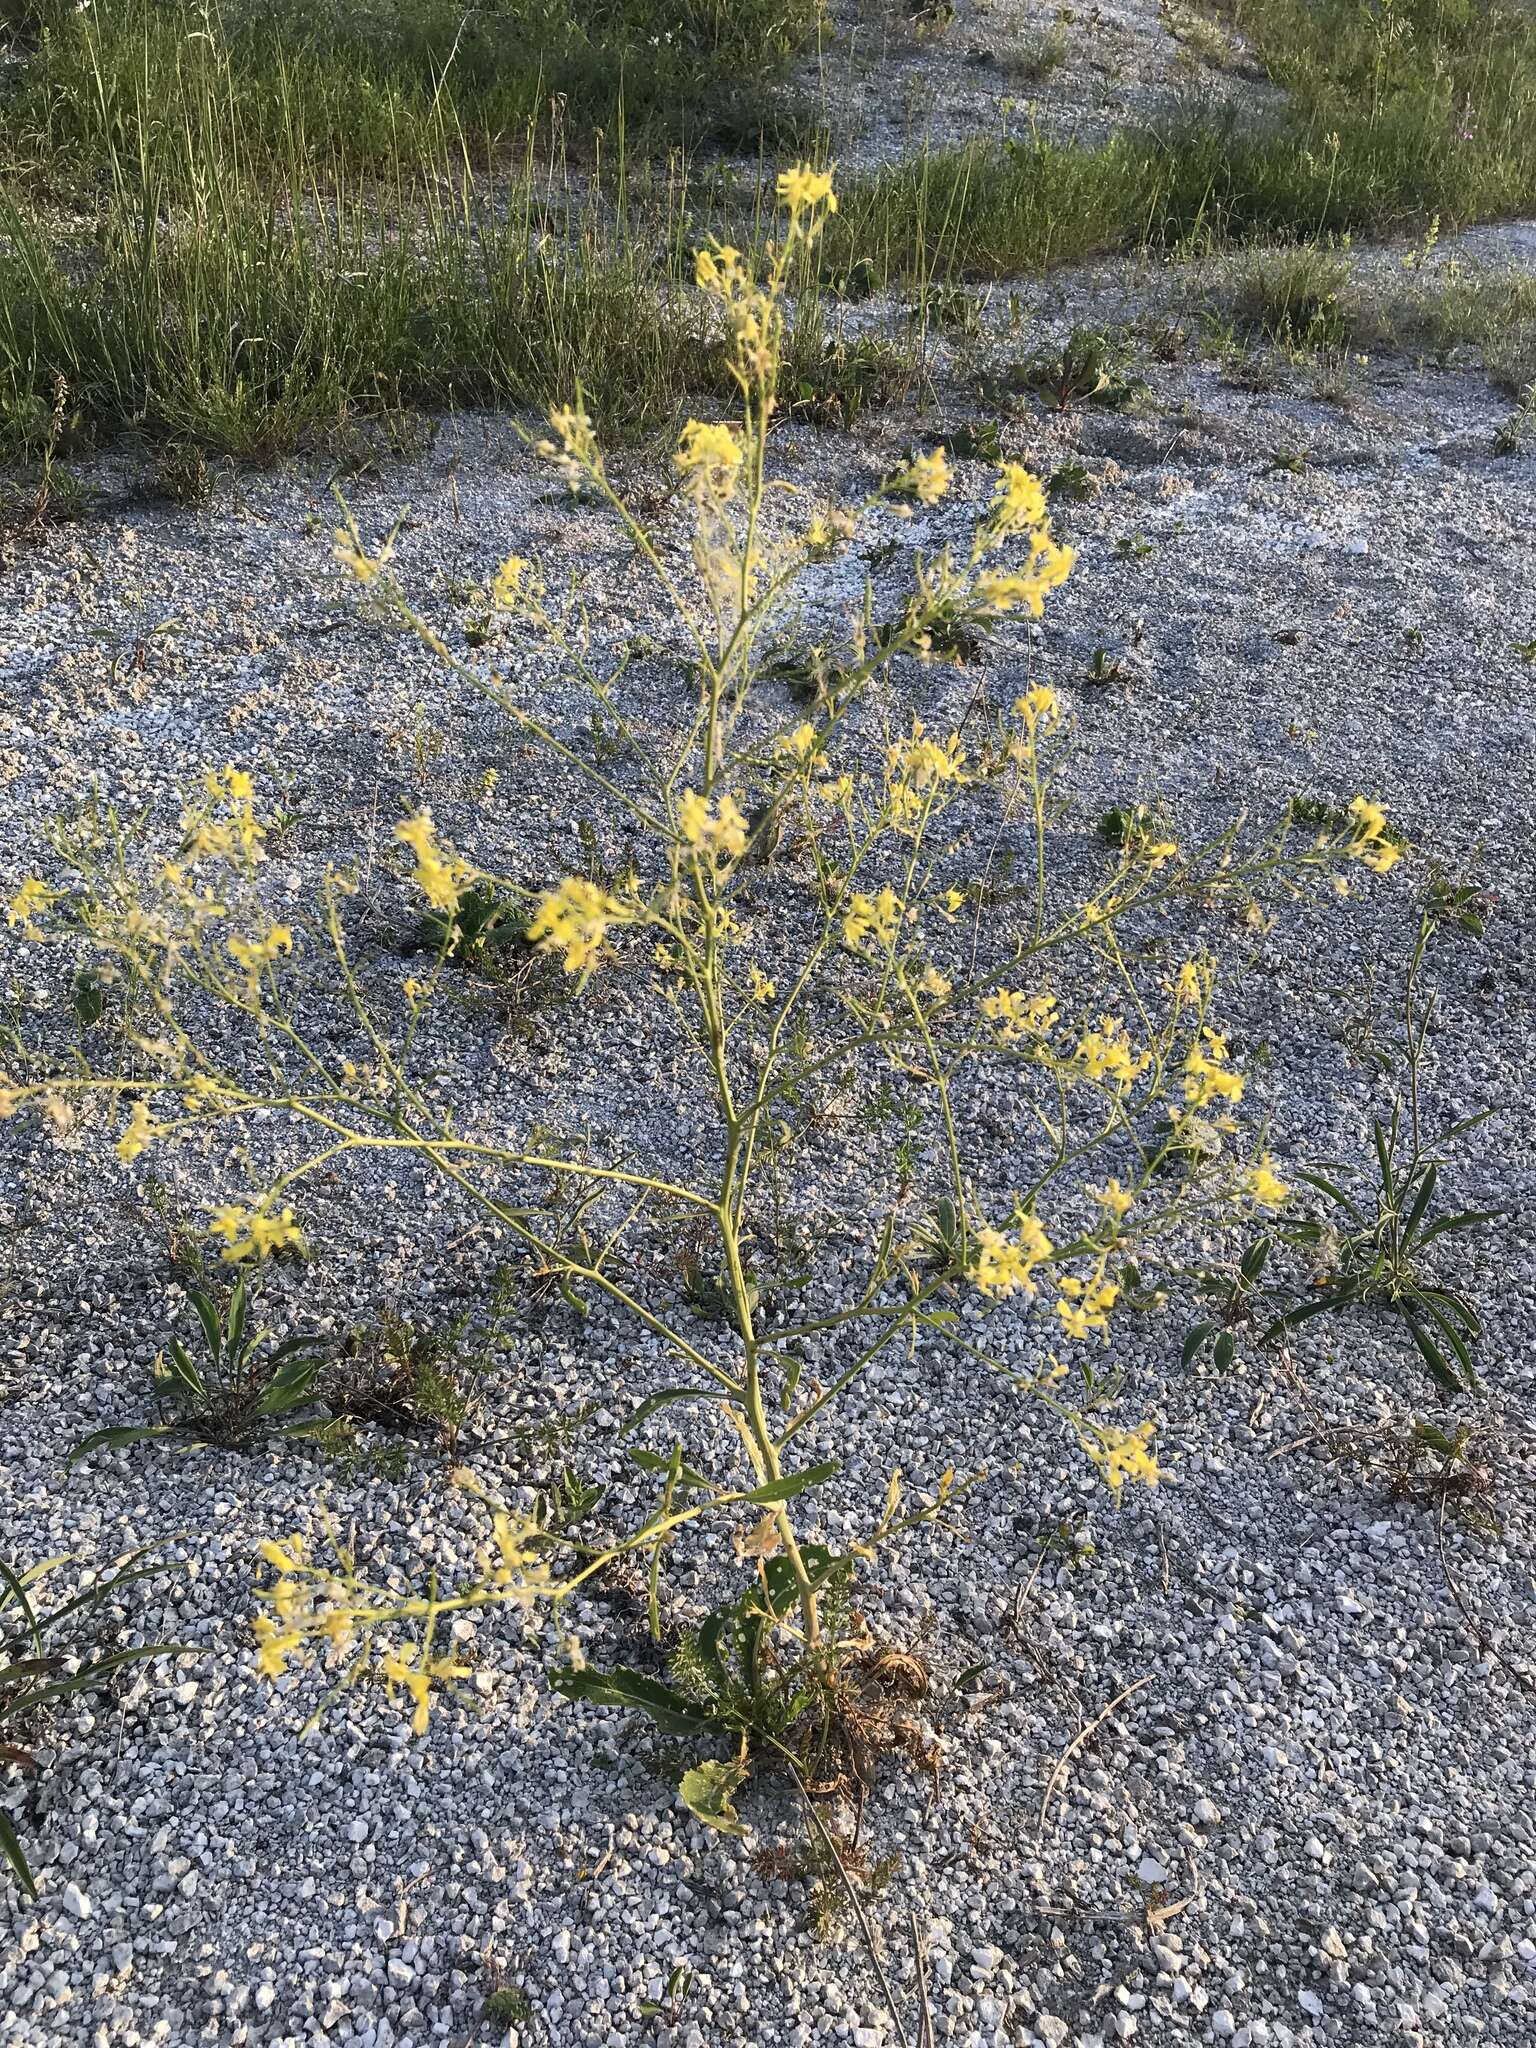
(897,77)
(1312,1819)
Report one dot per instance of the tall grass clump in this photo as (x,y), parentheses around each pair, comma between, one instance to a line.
(798,908)
(398,79)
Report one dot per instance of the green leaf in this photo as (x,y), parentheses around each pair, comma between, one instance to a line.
(11,1850)
(1464,1219)
(1194,1341)
(208,1316)
(1433,1357)
(1421,1200)
(1224,1351)
(706,1792)
(685,1475)
(671,1711)
(116,1440)
(790,1484)
(1304,1311)
(1334,1193)
(180,1377)
(1255,1259)
(289,1386)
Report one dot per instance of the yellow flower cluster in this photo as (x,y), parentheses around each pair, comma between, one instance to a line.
(233,832)
(573,920)
(321,1606)
(141,1133)
(1006,1265)
(800,187)
(798,746)
(574,451)
(256,954)
(872,917)
(1006,590)
(1193,982)
(1018,1015)
(1018,502)
(1263,1186)
(1368,841)
(515,580)
(1107,1054)
(440,875)
(927,477)
(1113,1199)
(29,903)
(709,456)
(1207,1077)
(255,1233)
(1122,1454)
(1085,1304)
(717,833)
(418,1671)
(1039,707)
(922,763)
(349,551)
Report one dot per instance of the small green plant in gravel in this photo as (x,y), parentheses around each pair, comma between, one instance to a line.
(1382,1220)
(865,953)
(44,1663)
(238,1390)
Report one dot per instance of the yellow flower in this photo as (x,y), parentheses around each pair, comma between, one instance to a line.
(418,1674)
(1006,1265)
(573,920)
(349,551)
(1206,1075)
(140,1134)
(1085,1304)
(921,763)
(717,270)
(800,187)
(255,1233)
(721,831)
(927,477)
(710,455)
(1018,1015)
(1263,1186)
(511,582)
(30,900)
(1107,1054)
(1005,590)
(574,452)
(274,1646)
(441,877)
(255,954)
(1367,842)
(872,917)
(935,984)
(1122,1454)
(1018,501)
(1192,982)
(798,745)
(1039,706)
(1113,1199)
(951,903)
(764,988)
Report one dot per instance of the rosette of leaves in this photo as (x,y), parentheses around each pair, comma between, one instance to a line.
(730,1682)
(239,1390)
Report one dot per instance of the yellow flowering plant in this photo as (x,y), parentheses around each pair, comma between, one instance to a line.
(887,966)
